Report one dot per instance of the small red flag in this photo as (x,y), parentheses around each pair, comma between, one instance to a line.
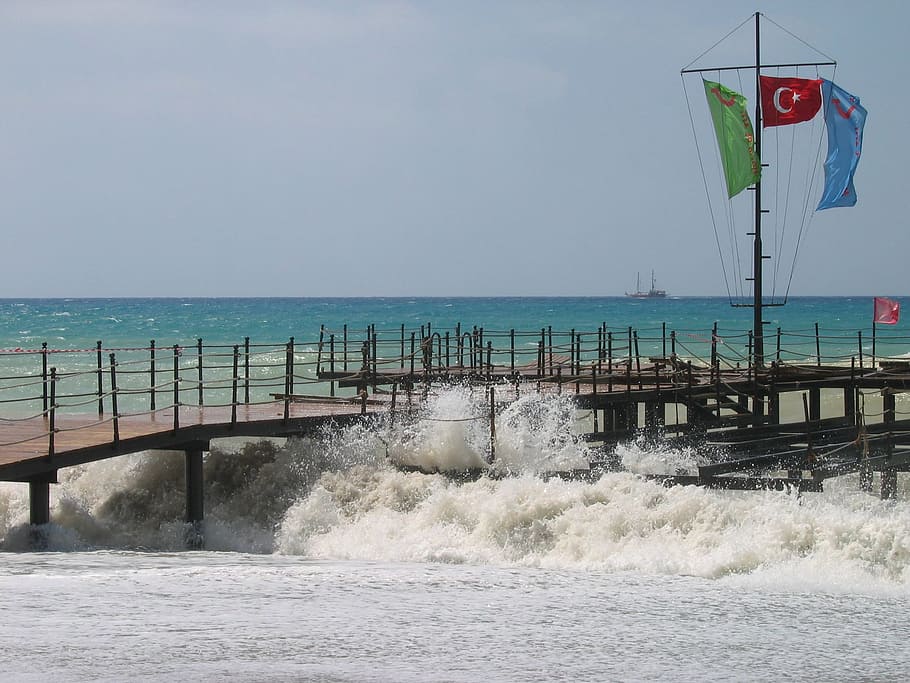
(887,311)
(789,100)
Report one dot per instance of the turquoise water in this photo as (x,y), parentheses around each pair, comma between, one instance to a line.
(323,562)
(71,328)
(78,323)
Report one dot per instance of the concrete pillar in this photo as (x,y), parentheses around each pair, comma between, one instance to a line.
(815,404)
(39,500)
(39,509)
(195,538)
(889,483)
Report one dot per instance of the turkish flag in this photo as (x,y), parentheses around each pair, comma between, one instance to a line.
(789,100)
(887,311)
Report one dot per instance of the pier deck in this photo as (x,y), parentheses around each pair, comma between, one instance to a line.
(725,405)
(85,438)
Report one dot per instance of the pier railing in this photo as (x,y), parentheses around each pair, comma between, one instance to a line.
(117,382)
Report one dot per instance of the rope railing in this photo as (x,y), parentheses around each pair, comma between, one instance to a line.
(204,374)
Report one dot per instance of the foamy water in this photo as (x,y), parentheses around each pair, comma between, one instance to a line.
(326,562)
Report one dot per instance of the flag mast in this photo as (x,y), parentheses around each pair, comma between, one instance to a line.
(758,349)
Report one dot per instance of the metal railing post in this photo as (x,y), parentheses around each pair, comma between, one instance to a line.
(176,388)
(199,364)
(152,374)
(246,369)
(100,379)
(44,375)
(114,401)
(234,387)
(52,425)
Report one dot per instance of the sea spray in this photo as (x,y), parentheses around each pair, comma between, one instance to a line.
(338,495)
(451,432)
(617,523)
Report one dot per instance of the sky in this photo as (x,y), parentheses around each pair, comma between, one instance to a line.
(406,148)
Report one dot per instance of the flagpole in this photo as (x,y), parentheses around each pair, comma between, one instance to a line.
(873,341)
(757,324)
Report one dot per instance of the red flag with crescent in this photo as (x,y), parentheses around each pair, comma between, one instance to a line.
(789,100)
(887,311)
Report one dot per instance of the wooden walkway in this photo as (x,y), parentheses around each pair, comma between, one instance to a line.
(85,438)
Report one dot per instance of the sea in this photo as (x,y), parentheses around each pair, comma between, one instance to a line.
(324,562)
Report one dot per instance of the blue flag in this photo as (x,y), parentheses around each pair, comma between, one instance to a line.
(844,119)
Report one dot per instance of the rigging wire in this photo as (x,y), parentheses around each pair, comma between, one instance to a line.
(730,33)
(704,178)
(788,208)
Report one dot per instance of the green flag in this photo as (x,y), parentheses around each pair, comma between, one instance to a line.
(734,137)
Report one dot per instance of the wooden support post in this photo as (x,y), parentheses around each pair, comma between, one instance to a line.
(195,486)
(392,405)
(850,397)
(889,483)
(807,413)
(512,350)
(773,395)
(815,404)
(778,346)
(751,361)
(652,416)
(889,474)
(490,360)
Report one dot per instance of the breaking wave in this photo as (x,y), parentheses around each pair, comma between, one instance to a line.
(340,495)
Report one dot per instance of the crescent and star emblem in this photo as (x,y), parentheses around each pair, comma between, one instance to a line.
(777,95)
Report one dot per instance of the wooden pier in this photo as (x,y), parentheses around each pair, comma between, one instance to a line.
(764,424)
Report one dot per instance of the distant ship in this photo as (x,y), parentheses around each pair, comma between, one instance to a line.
(652,293)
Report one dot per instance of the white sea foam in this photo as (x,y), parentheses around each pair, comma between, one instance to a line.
(336,496)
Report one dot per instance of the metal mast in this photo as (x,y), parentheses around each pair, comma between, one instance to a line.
(758,323)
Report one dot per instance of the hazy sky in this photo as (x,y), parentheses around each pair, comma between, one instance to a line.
(404,148)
